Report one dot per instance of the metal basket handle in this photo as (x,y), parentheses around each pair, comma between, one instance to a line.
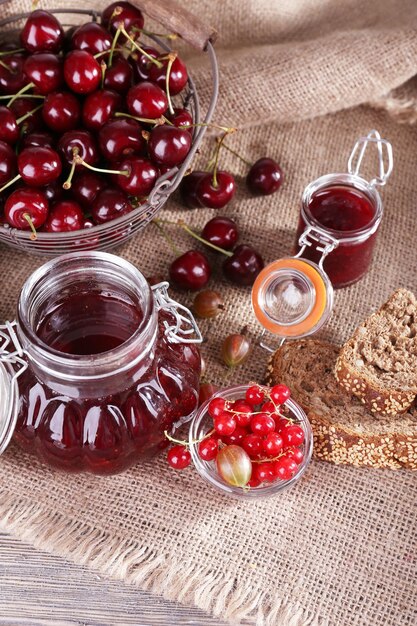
(385,158)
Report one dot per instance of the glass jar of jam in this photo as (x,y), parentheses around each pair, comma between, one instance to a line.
(97,365)
(349,209)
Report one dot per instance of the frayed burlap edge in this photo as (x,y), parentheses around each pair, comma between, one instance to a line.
(179,581)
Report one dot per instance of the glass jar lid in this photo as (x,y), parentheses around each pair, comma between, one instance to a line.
(292,297)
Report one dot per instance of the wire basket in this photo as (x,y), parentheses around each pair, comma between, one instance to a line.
(116,232)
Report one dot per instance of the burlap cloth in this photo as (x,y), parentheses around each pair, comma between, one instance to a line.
(340,548)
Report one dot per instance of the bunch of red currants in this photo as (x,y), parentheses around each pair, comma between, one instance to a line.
(87,123)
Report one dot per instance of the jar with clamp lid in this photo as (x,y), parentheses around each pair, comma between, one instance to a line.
(348,209)
(96,366)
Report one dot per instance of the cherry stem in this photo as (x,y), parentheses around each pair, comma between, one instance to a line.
(239,156)
(171,59)
(113,46)
(34,234)
(138,47)
(6,67)
(19,93)
(217,155)
(167,237)
(5,53)
(102,54)
(158,121)
(11,182)
(67,184)
(79,161)
(103,68)
(34,96)
(28,114)
(187,443)
(195,235)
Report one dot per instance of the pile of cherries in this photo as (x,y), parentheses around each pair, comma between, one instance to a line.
(87,121)
(252,441)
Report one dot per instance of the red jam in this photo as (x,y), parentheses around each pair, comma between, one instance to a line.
(345,212)
(105,435)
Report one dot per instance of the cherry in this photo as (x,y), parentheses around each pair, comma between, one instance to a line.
(119,138)
(296,454)
(244,266)
(142,175)
(178,75)
(28,106)
(252,444)
(190,271)
(8,163)
(285,468)
(82,72)
(141,64)
(9,129)
(65,216)
(42,33)
(169,145)
(188,189)
(254,395)
(24,203)
(208,449)
(179,457)
(12,77)
(224,424)
(221,232)
(272,444)
(216,192)
(61,111)
(109,204)
(146,100)
(53,192)
(44,71)
(279,394)
(181,117)
(123,14)
(292,435)
(85,187)
(99,107)
(38,139)
(264,177)
(118,76)
(216,407)
(91,37)
(39,166)
(262,424)
(81,140)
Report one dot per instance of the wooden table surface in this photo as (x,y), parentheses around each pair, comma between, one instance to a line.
(37,589)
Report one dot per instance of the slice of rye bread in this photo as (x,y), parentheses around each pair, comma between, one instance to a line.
(379,363)
(345,432)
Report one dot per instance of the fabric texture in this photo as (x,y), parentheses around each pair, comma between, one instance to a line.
(340,548)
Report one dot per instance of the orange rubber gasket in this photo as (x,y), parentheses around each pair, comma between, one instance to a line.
(304,327)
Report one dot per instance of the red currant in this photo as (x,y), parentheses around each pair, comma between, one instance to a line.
(264,472)
(296,454)
(208,449)
(254,482)
(269,407)
(242,412)
(236,437)
(216,406)
(282,423)
(253,445)
(179,457)
(262,424)
(224,424)
(272,444)
(292,436)
(279,394)
(254,395)
(285,468)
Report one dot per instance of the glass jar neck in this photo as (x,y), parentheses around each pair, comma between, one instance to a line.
(59,281)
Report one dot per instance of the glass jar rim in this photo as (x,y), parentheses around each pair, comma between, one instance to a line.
(343,180)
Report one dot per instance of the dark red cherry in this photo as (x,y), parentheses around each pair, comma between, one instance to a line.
(61,111)
(39,166)
(26,201)
(190,271)
(264,177)
(119,138)
(123,14)
(178,76)
(181,117)
(142,176)
(33,122)
(64,216)
(9,130)
(244,266)
(42,33)
(141,64)
(146,100)
(216,196)
(53,192)
(8,163)
(38,139)
(222,232)
(99,107)
(169,145)
(188,189)
(91,37)
(12,77)
(118,75)
(85,187)
(110,204)
(84,142)
(82,72)
(45,71)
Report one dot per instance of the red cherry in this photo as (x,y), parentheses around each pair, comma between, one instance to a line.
(222,232)
(8,163)
(216,407)
(32,122)
(178,76)
(124,14)
(264,472)
(39,166)
(254,395)
(118,76)
(216,196)
(262,424)
(293,435)
(42,33)
(264,177)
(91,37)
(169,145)
(85,187)
(285,468)
(12,77)
(224,424)
(53,192)
(119,138)
(242,412)
(65,216)
(81,140)
(82,72)
(44,70)
(272,444)
(208,449)
(182,117)
(9,129)
(99,107)
(142,175)
(244,266)
(61,111)
(188,189)
(110,204)
(296,454)
(280,394)
(146,100)
(179,457)
(252,444)
(190,271)
(26,201)
(37,139)
(141,64)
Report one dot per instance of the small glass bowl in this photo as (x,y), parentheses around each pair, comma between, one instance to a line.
(202,423)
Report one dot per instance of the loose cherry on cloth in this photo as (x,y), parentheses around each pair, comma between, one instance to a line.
(190,271)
